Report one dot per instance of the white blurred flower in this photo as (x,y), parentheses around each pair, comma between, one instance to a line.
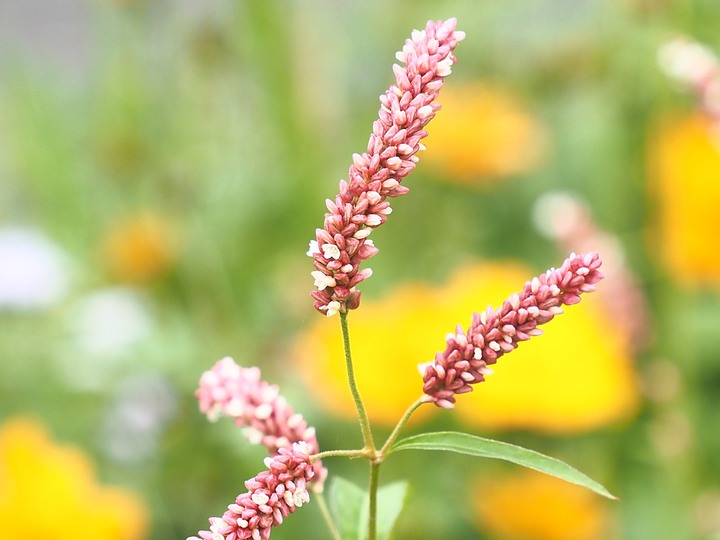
(109,322)
(34,271)
(105,330)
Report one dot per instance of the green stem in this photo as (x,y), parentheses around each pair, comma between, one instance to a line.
(352,454)
(325,511)
(401,424)
(372,517)
(362,415)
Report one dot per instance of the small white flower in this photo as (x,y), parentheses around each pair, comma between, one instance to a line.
(444,67)
(255,436)
(235,407)
(332,308)
(322,281)
(260,498)
(331,251)
(373,220)
(263,412)
(312,248)
(301,497)
(424,111)
(422,367)
(111,321)
(418,36)
(362,233)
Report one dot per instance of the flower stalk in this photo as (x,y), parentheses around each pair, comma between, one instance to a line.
(369,443)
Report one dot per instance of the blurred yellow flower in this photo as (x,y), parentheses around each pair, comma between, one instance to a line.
(140,248)
(529,505)
(482,134)
(389,338)
(50,492)
(685,176)
(576,377)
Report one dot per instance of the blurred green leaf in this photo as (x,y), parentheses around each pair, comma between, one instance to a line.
(349,505)
(391,499)
(472,445)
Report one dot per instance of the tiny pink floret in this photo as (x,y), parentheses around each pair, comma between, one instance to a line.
(272,495)
(376,175)
(240,393)
(495,332)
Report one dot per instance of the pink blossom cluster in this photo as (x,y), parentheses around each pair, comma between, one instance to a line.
(272,495)
(568,220)
(361,206)
(495,332)
(697,67)
(239,393)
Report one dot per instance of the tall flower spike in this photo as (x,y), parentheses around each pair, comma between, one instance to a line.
(495,332)
(239,393)
(361,206)
(272,495)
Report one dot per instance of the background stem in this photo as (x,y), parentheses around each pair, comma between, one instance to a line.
(327,517)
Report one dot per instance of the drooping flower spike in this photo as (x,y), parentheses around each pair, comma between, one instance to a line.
(272,495)
(361,206)
(495,332)
(239,393)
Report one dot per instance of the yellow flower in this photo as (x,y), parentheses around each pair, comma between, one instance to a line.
(529,505)
(482,134)
(50,492)
(685,177)
(576,377)
(140,248)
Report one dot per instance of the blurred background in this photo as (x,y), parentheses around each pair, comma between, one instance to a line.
(163,166)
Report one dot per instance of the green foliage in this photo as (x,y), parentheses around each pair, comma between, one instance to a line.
(349,504)
(471,445)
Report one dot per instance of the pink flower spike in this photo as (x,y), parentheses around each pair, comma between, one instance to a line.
(272,495)
(405,109)
(495,332)
(239,393)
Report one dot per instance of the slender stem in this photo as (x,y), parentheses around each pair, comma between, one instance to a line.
(341,453)
(362,415)
(372,517)
(401,424)
(325,511)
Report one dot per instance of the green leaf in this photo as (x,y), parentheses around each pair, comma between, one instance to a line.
(349,505)
(472,445)
(391,499)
